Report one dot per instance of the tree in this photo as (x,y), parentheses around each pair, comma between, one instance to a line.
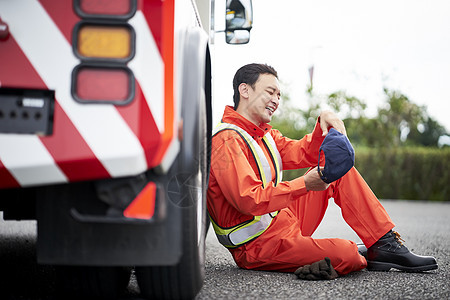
(398,116)
(427,133)
(399,122)
(406,123)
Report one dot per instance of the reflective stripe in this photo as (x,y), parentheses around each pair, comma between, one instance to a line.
(30,163)
(101,126)
(245,232)
(242,233)
(272,147)
(148,67)
(261,160)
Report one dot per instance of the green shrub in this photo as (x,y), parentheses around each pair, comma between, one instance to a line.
(412,173)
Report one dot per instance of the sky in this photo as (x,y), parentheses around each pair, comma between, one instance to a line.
(357,46)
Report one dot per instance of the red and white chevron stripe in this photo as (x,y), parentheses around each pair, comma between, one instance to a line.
(89,141)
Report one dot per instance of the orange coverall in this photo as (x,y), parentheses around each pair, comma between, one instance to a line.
(235,194)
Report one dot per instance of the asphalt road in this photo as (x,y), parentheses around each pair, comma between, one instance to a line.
(425,227)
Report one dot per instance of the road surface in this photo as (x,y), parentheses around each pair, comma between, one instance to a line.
(424,225)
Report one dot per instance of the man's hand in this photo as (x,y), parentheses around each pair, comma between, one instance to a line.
(313,181)
(330,119)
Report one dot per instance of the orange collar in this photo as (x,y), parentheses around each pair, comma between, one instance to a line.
(233,117)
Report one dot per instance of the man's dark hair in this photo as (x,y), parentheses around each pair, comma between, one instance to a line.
(249,74)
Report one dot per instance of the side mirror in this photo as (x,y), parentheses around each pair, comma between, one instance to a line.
(238,21)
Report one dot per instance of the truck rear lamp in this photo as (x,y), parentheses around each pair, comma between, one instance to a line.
(122,9)
(93,84)
(104,42)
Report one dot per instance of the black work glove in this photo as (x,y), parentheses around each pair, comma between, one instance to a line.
(320,270)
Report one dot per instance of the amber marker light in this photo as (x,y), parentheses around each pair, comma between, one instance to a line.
(102,41)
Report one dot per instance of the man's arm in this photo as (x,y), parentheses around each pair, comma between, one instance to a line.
(240,184)
(298,154)
(303,153)
(327,119)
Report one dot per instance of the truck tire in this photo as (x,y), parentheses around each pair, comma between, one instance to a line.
(187,189)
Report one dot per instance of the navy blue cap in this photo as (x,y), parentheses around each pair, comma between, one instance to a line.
(339,156)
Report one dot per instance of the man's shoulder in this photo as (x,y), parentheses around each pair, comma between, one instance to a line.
(228,138)
(226,134)
(276,134)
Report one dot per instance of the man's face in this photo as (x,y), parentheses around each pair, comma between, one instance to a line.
(263,99)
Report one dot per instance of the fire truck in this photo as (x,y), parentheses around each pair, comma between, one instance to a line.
(105,130)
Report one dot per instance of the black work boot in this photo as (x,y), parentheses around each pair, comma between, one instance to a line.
(389,252)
